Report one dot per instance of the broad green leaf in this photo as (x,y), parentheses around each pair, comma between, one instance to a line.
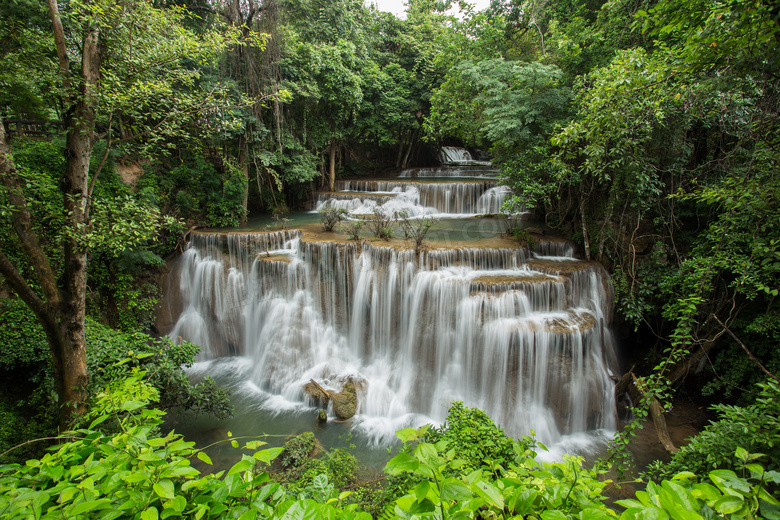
(644,513)
(401,463)
(421,490)
(177,504)
(673,496)
(453,489)
(728,504)
(489,492)
(407,434)
(164,488)
(150,514)
(240,467)
(89,505)
(553,515)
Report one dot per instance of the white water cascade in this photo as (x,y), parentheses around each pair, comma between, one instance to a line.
(524,336)
(455,198)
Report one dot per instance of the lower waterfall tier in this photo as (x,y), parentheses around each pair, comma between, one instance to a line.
(499,329)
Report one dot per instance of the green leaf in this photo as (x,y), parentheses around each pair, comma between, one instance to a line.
(453,489)
(426,453)
(728,504)
(150,514)
(89,505)
(240,467)
(268,455)
(644,513)
(742,454)
(407,434)
(177,504)
(489,492)
(401,463)
(553,515)
(421,490)
(164,488)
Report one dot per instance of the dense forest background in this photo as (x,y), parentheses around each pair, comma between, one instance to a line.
(647,132)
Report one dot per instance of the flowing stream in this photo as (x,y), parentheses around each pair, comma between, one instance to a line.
(523,335)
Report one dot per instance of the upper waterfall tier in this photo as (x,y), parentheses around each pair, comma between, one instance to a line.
(417,198)
(497,328)
(473,171)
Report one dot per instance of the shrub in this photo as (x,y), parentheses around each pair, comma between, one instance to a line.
(415,229)
(330,216)
(381,224)
(754,428)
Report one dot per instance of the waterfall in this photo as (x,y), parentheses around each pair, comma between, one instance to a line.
(471,170)
(524,337)
(455,155)
(460,198)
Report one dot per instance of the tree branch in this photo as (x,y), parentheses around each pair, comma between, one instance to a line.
(22,223)
(100,165)
(750,354)
(22,289)
(62,50)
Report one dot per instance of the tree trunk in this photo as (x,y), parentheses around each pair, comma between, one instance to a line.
(332,169)
(244,164)
(405,162)
(400,154)
(68,341)
(657,415)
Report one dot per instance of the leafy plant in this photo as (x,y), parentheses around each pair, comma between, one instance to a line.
(331,215)
(352,228)
(381,223)
(754,428)
(415,229)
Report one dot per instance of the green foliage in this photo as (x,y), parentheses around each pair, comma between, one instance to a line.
(499,103)
(474,437)
(731,496)
(352,228)
(755,428)
(451,487)
(298,450)
(196,190)
(331,215)
(381,223)
(137,473)
(162,362)
(337,466)
(415,228)
(28,385)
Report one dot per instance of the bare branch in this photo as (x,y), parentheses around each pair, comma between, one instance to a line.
(744,347)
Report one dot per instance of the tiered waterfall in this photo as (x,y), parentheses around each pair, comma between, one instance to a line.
(523,335)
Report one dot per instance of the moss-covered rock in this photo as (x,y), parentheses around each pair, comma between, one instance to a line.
(345,402)
(298,450)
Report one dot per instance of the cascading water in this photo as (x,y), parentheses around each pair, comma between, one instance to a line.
(486,171)
(455,155)
(523,336)
(454,198)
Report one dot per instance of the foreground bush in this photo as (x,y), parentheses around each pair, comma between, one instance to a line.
(753,429)
(27,398)
(138,473)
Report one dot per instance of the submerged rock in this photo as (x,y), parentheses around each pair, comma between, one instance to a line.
(322,416)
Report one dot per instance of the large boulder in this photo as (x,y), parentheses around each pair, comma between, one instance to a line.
(345,402)
(316,393)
